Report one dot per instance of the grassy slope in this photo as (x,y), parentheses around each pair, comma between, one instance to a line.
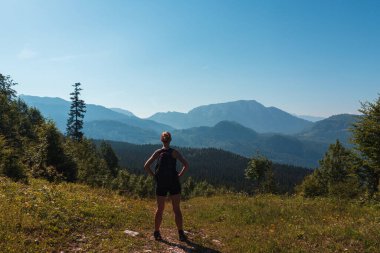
(43,217)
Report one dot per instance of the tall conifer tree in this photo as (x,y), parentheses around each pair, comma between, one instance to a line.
(76,114)
(366,136)
(6,90)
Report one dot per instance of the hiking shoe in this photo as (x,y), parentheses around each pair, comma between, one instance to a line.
(157,236)
(181,235)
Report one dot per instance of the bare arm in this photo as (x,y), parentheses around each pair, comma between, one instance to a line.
(149,162)
(185,164)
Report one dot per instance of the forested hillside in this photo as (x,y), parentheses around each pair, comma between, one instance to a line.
(236,138)
(33,147)
(218,167)
(330,129)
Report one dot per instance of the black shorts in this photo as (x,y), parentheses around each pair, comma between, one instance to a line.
(172,189)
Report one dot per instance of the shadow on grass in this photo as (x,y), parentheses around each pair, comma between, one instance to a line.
(191,247)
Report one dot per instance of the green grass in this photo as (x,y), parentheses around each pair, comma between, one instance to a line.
(288,224)
(44,217)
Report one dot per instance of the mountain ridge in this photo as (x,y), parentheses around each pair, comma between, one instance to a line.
(329,129)
(123,111)
(249,113)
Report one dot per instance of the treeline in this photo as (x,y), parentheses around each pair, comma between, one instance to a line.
(350,172)
(33,147)
(220,168)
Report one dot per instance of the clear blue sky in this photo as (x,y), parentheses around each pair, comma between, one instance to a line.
(306,57)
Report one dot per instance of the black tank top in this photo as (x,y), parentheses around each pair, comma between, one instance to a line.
(166,167)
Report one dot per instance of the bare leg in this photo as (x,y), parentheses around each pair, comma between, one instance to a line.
(176,199)
(159,212)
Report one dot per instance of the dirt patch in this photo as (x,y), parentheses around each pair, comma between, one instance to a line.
(171,243)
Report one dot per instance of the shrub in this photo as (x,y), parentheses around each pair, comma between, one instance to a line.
(10,164)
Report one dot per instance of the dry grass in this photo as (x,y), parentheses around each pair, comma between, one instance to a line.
(44,217)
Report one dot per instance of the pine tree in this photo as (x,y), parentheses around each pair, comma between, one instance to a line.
(366,136)
(91,167)
(337,175)
(336,163)
(6,84)
(110,157)
(260,170)
(76,115)
(49,157)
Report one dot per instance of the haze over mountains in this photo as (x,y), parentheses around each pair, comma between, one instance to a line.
(248,113)
(242,127)
(310,118)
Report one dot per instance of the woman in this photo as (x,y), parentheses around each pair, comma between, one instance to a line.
(167,182)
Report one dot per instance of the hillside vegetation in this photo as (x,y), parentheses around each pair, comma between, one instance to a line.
(218,167)
(46,217)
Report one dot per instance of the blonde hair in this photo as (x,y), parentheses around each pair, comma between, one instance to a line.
(166,137)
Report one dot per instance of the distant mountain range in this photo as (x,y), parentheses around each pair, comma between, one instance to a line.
(248,113)
(116,130)
(283,138)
